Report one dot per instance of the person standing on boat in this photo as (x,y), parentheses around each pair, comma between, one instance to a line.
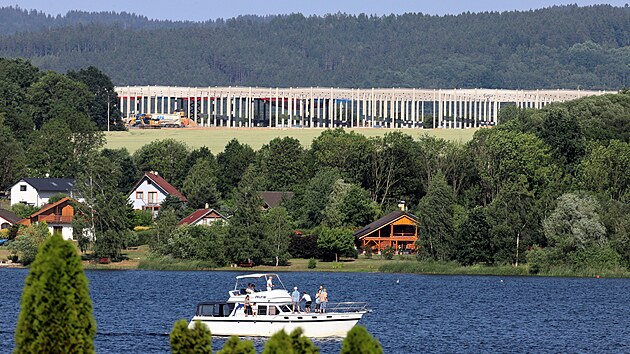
(295,299)
(254,309)
(318,300)
(270,283)
(323,300)
(247,306)
(307,304)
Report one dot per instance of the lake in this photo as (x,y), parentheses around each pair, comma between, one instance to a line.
(135,310)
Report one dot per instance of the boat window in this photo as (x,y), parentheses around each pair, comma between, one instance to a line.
(272,311)
(205,310)
(285,308)
(262,310)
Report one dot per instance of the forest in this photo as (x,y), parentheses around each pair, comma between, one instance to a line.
(546,187)
(568,47)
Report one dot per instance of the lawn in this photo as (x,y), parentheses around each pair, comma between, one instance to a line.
(216,138)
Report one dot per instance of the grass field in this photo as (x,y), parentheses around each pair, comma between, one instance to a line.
(216,138)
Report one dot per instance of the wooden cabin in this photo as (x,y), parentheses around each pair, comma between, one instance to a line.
(397,229)
(57,215)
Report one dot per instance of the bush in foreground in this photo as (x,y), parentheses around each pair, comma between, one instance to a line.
(185,340)
(56,310)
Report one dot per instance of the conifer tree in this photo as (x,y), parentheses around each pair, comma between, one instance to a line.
(359,340)
(56,310)
(279,343)
(235,345)
(185,340)
(301,344)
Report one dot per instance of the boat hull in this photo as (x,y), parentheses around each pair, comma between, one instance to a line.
(314,325)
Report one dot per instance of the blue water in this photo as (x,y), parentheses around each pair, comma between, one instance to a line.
(135,310)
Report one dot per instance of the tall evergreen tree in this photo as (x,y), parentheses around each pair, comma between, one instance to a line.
(56,310)
(246,233)
(435,213)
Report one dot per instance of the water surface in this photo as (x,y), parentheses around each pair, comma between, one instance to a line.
(135,310)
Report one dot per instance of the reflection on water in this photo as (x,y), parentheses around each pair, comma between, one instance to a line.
(135,310)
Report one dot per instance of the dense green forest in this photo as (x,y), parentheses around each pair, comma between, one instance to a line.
(557,47)
(548,187)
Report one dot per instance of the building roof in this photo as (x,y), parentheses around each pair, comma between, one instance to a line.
(198,215)
(162,184)
(385,220)
(9,216)
(50,184)
(44,209)
(273,199)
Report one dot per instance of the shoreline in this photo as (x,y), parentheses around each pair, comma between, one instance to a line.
(141,259)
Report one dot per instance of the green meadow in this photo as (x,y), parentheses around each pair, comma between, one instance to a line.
(216,138)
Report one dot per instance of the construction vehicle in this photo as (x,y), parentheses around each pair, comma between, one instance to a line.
(160,120)
(143,121)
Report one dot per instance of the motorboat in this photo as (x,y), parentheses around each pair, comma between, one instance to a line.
(274,312)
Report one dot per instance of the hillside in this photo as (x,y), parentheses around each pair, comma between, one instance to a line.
(558,47)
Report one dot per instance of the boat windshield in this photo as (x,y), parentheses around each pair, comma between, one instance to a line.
(258,282)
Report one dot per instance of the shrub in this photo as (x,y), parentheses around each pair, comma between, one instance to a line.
(312,263)
(185,340)
(235,345)
(368,251)
(359,340)
(388,252)
(27,242)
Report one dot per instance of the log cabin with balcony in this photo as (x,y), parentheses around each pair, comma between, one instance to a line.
(57,215)
(397,229)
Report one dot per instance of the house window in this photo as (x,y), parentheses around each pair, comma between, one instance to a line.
(152,198)
(139,195)
(22,188)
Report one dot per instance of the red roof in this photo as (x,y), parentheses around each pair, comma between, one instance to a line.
(163,184)
(198,215)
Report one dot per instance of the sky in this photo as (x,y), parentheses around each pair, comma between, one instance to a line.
(200,10)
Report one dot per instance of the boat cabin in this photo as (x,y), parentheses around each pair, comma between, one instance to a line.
(228,309)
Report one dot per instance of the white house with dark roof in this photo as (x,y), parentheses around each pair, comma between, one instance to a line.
(37,191)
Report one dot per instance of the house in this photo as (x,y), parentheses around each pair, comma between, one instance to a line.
(150,191)
(205,216)
(397,229)
(57,215)
(37,191)
(273,199)
(7,219)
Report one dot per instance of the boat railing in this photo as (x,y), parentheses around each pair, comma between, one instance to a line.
(346,306)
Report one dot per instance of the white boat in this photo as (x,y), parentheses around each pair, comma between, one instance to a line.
(274,312)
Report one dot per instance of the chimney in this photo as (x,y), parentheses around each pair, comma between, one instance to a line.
(401,205)
(207,206)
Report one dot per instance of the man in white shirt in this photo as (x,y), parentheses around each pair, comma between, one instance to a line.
(270,283)
(307,298)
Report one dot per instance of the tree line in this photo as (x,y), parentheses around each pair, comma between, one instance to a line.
(556,47)
(547,186)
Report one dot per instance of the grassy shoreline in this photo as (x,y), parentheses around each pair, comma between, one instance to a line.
(142,259)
